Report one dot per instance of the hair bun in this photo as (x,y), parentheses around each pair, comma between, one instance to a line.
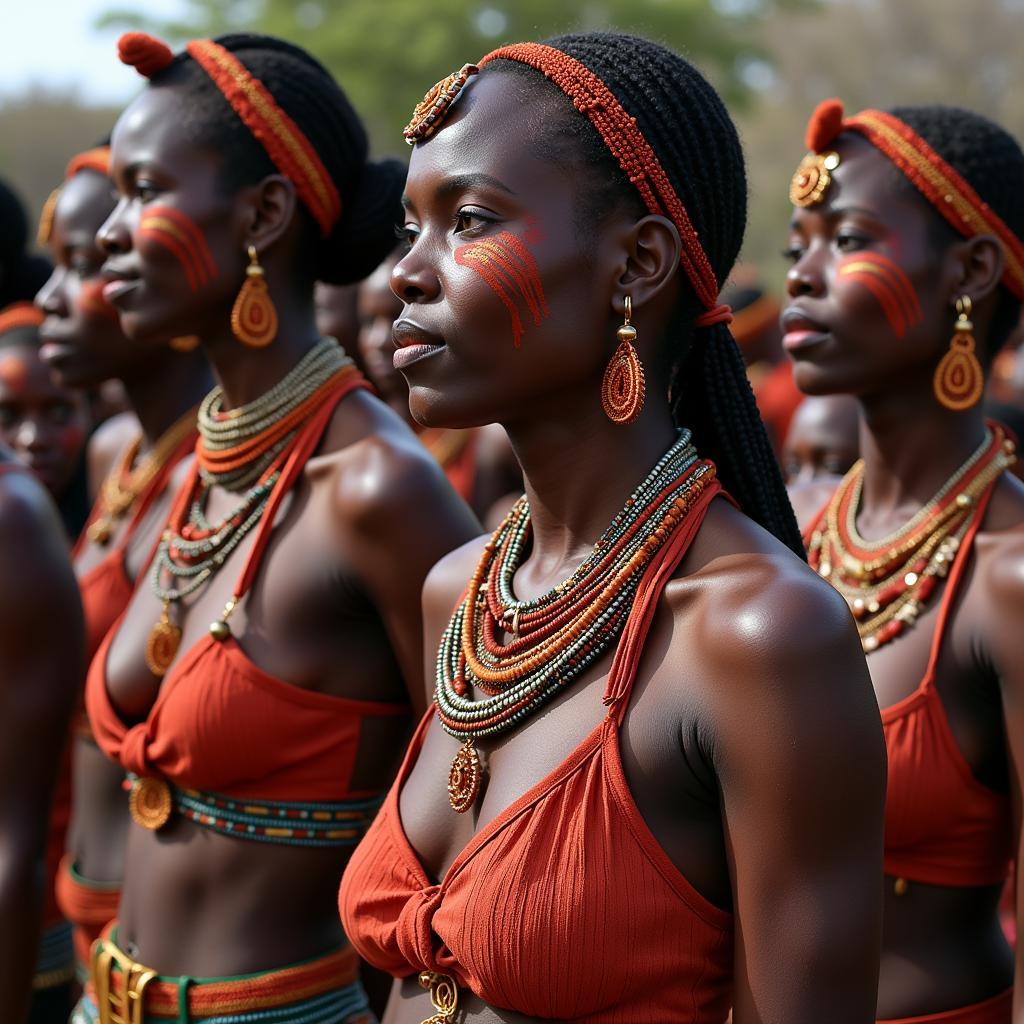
(144,52)
(825,124)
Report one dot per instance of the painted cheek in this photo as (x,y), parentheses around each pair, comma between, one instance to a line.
(168,229)
(888,284)
(70,440)
(508,268)
(91,302)
(13,372)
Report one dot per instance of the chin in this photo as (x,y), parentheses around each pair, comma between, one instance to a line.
(432,408)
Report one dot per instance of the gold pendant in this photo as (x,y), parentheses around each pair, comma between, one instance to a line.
(444,995)
(150,803)
(464,778)
(100,531)
(163,642)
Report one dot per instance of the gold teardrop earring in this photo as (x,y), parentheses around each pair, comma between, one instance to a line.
(623,387)
(253,317)
(959,382)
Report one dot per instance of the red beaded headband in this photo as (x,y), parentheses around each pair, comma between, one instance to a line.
(621,135)
(285,143)
(20,314)
(935,179)
(97,159)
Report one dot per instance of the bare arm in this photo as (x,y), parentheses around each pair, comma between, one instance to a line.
(801,762)
(41,667)
(400,516)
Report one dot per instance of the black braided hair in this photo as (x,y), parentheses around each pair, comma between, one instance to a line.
(992,163)
(306,91)
(690,131)
(22,274)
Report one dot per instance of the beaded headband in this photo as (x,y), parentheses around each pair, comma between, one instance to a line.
(20,314)
(97,159)
(285,143)
(943,186)
(620,133)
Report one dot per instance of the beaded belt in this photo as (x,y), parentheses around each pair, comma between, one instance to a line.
(153,802)
(55,964)
(122,991)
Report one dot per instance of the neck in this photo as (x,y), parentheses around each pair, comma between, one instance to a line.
(167,389)
(245,373)
(579,468)
(911,446)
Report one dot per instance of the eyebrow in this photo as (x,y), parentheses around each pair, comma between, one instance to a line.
(837,213)
(463,183)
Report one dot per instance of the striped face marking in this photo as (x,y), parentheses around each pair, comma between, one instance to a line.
(890,286)
(179,235)
(510,271)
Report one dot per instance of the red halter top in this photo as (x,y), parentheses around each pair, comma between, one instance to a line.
(942,826)
(222,724)
(563,906)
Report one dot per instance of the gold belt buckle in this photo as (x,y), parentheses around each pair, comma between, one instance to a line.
(444,994)
(128,1007)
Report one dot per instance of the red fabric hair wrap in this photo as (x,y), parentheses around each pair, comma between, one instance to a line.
(20,314)
(143,52)
(721,314)
(824,126)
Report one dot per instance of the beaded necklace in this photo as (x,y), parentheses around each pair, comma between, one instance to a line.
(127,482)
(888,582)
(556,637)
(243,447)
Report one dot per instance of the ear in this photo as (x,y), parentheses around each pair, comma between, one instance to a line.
(268,210)
(652,252)
(977,268)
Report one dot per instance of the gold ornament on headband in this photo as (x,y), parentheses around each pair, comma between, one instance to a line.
(812,178)
(430,113)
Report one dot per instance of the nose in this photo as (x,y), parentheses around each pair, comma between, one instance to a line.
(51,298)
(805,276)
(413,280)
(31,435)
(113,236)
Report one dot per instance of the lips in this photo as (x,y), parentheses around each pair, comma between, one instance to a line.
(118,282)
(800,331)
(413,343)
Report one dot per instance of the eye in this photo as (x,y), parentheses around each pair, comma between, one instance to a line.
(407,235)
(145,189)
(468,219)
(8,416)
(848,241)
(792,253)
(61,413)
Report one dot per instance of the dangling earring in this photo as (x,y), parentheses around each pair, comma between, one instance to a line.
(253,318)
(958,381)
(623,388)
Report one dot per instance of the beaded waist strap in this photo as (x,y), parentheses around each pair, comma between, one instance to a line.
(153,802)
(55,964)
(123,991)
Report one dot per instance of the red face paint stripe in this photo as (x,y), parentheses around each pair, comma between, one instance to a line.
(468,256)
(197,242)
(175,248)
(908,296)
(884,297)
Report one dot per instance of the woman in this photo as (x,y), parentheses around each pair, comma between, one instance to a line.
(45,424)
(479,464)
(822,440)
(907,277)
(257,746)
(83,345)
(647,856)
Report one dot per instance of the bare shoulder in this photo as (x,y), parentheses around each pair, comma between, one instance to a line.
(809,499)
(108,441)
(29,523)
(446,582)
(1000,546)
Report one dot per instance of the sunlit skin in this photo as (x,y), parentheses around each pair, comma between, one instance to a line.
(730,629)
(942,946)
(84,346)
(42,422)
(335,604)
(822,440)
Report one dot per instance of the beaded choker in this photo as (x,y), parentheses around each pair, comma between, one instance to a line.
(558,636)
(888,582)
(247,446)
(127,482)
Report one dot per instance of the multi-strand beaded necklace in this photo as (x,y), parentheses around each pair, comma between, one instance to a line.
(240,449)
(128,481)
(888,582)
(559,635)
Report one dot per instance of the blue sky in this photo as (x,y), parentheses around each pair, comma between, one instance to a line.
(53,43)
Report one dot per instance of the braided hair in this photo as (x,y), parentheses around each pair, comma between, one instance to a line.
(686,124)
(22,274)
(992,163)
(308,93)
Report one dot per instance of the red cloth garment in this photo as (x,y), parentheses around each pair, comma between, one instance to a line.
(222,724)
(563,906)
(942,826)
(996,1010)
